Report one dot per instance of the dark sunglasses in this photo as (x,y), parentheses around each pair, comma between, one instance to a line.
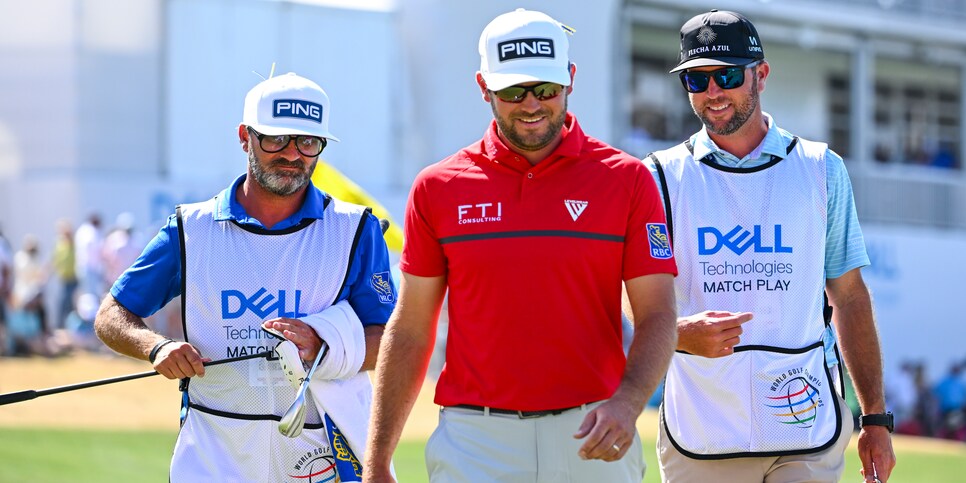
(543,92)
(309,146)
(726,78)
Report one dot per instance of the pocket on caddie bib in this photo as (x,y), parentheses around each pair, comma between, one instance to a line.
(793,402)
(761,401)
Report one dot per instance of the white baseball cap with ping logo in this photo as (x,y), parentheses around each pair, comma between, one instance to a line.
(288,104)
(524,46)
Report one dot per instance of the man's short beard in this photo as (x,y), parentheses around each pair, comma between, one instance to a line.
(743,112)
(518,140)
(275,183)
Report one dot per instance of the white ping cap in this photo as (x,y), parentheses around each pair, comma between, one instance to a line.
(288,104)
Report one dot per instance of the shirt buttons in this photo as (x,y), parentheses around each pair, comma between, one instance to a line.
(529,175)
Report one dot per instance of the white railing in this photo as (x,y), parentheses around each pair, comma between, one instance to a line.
(932,9)
(910,195)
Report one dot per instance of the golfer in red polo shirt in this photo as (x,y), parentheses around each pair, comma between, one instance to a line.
(532,230)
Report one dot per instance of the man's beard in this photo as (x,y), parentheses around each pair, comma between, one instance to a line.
(281,184)
(742,113)
(533,142)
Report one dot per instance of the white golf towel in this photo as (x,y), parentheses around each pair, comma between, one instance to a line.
(341,329)
(337,386)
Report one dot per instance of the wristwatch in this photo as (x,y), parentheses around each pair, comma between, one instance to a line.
(878,420)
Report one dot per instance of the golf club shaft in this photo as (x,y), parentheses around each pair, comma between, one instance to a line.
(15,397)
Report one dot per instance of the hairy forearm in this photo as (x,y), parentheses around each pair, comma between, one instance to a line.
(402,365)
(649,357)
(124,331)
(859,343)
(373,341)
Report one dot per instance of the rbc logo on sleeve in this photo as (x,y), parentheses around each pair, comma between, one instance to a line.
(658,240)
(383,286)
(297,108)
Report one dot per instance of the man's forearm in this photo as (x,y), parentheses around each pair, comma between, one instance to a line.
(649,357)
(651,298)
(374,335)
(859,340)
(123,331)
(402,365)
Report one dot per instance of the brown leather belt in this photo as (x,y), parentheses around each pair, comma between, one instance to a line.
(519,414)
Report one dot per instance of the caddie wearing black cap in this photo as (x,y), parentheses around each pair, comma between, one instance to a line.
(764,226)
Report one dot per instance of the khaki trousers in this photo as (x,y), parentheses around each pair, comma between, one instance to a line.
(825,466)
(470,446)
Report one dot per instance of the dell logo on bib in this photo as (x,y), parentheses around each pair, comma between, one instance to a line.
(234,304)
(738,240)
(296,108)
(523,48)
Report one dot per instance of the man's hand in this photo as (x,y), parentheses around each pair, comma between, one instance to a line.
(609,429)
(300,333)
(875,447)
(711,333)
(178,360)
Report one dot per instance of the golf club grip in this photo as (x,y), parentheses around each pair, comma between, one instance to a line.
(139,375)
(15,397)
(256,355)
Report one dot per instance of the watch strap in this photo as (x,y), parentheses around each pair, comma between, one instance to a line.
(881,419)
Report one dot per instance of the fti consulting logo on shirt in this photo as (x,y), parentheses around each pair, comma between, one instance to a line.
(658,240)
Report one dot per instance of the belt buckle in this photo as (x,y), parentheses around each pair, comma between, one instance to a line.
(531,414)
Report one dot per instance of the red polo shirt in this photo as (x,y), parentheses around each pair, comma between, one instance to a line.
(534,257)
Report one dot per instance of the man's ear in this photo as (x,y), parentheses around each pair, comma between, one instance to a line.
(762,72)
(482,83)
(243,137)
(573,70)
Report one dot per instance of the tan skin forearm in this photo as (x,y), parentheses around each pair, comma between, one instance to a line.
(858,338)
(123,331)
(859,342)
(373,341)
(651,300)
(609,429)
(403,360)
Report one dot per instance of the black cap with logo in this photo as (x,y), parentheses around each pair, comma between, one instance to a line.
(719,37)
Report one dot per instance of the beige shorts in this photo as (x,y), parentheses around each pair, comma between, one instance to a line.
(470,446)
(824,466)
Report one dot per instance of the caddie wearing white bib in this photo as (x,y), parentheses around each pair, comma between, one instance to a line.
(270,251)
(764,225)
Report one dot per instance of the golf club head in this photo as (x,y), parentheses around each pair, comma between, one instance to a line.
(288,357)
(293,420)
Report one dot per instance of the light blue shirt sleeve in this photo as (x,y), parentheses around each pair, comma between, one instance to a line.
(844,243)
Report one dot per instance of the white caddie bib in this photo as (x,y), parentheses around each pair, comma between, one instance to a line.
(753,240)
(236,277)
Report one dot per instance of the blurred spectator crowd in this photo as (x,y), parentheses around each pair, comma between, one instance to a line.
(926,408)
(48,302)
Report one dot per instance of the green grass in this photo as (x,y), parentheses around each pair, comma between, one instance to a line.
(79,456)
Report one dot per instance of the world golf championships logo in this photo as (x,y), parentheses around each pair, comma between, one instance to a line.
(315,466)
(797,403)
